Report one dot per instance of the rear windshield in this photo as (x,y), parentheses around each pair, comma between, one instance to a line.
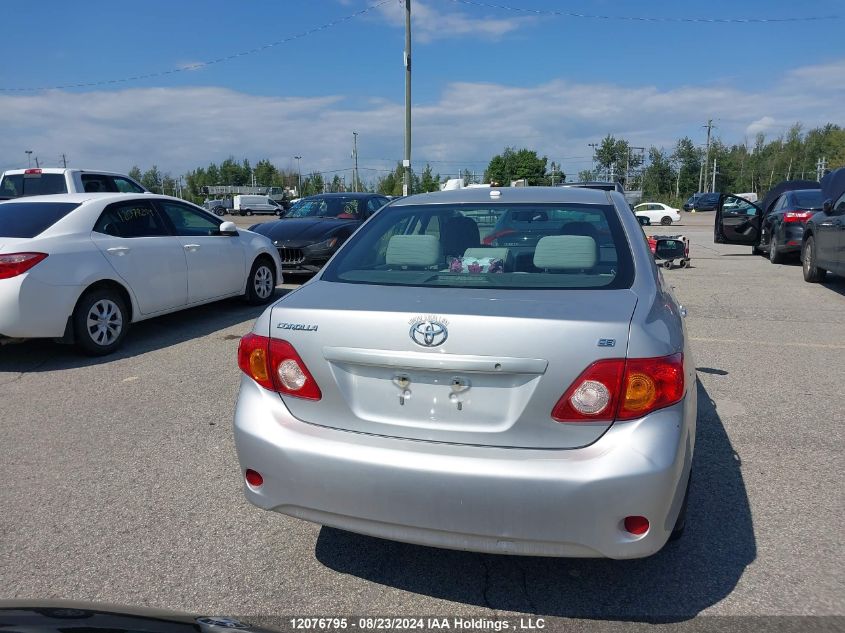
(17,185)
(28,219)
(489,246)
(334,207)
(810,199)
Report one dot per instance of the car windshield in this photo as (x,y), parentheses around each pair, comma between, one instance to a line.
(809,199)
(28,219)
(347,208)
(18,185)
(483,246)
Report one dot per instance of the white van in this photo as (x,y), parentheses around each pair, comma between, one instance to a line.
(248,205)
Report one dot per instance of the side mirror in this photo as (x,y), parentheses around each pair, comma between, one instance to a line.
(228,228)
(827,206)
(643,220)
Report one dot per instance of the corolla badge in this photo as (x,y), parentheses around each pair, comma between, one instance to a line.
(429,331)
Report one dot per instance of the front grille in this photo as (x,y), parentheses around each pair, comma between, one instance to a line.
(291,255)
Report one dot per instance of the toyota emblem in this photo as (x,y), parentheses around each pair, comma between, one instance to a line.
(429,333)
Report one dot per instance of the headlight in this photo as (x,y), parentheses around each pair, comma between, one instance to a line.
(324,245)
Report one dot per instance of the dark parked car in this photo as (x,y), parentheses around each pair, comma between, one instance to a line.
(822,237)
(702,202)
(785,213)
(823,248)
(310,232)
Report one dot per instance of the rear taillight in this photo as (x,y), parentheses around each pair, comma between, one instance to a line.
(487,241)
(32,172)
(275,365)
(14,264)
(622,389)
(797,216)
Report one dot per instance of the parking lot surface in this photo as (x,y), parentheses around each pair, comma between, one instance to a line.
(119,481)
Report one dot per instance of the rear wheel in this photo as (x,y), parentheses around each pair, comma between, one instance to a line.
(665,220)
(220,211)
(812,272)
(248,212)
(261,283)
(775,256)
(100,321)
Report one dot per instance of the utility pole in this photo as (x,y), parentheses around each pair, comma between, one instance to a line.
(28,157)
(299,172)
(37,163)
(355,155)
(406,185)
(64,160)
(593,168)
(709,126)
(821,167)
(713,188)
(700,177)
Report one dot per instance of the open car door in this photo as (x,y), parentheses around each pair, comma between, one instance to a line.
(737,221)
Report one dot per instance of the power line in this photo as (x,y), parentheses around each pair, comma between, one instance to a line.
(632,18)
(210,62)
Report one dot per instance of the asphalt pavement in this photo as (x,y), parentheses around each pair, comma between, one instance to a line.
(119,481)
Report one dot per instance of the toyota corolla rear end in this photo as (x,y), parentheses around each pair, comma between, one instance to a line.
(526,394)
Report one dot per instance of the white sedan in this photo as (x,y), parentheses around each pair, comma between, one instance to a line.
(82,267)
(657,213)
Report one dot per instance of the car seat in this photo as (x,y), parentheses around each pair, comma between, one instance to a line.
(459,234)
(413,251)
(566,253)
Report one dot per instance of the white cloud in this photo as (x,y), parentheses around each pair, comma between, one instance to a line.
(432,23)
(182,128)
(763,124)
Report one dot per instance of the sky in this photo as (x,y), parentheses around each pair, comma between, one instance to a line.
(116,84)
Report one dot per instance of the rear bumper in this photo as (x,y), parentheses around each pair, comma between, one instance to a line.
(30,308)
(511,501)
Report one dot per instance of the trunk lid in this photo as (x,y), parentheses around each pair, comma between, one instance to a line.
(507,358)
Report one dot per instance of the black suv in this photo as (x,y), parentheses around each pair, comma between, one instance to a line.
(702,202)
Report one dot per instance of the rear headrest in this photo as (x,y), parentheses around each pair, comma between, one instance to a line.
(565,252)
(413,250)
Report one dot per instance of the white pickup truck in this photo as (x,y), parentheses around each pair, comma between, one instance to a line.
(47,180)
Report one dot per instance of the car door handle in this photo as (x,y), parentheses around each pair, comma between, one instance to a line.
(118,251)
(191,247)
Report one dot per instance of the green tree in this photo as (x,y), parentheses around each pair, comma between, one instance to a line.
(658,178)
(135,173)
(513,165)
(168,184)
(687,160)
(428,181)
(151,179)
(265,173)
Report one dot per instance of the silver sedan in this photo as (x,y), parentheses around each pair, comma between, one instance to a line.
(495,370)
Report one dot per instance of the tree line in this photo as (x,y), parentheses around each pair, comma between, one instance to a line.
(666,174)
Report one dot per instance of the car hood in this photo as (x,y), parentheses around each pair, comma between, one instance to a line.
(301,230)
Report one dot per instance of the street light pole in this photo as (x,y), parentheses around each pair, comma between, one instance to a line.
(406,185)
(355,154)
(29,158)
(299,171)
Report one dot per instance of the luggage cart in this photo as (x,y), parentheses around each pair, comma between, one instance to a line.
(671,248)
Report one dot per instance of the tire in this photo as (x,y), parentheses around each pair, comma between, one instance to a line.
(681,521)
(775,256)
(100,321)
(755,250)
(667,264)
(261,285)
(665,220)
(219,211)
(248,212)
(812,273)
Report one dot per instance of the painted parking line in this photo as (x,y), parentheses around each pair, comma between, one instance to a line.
(778,343)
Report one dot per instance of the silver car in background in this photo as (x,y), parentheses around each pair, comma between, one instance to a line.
(495,370)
